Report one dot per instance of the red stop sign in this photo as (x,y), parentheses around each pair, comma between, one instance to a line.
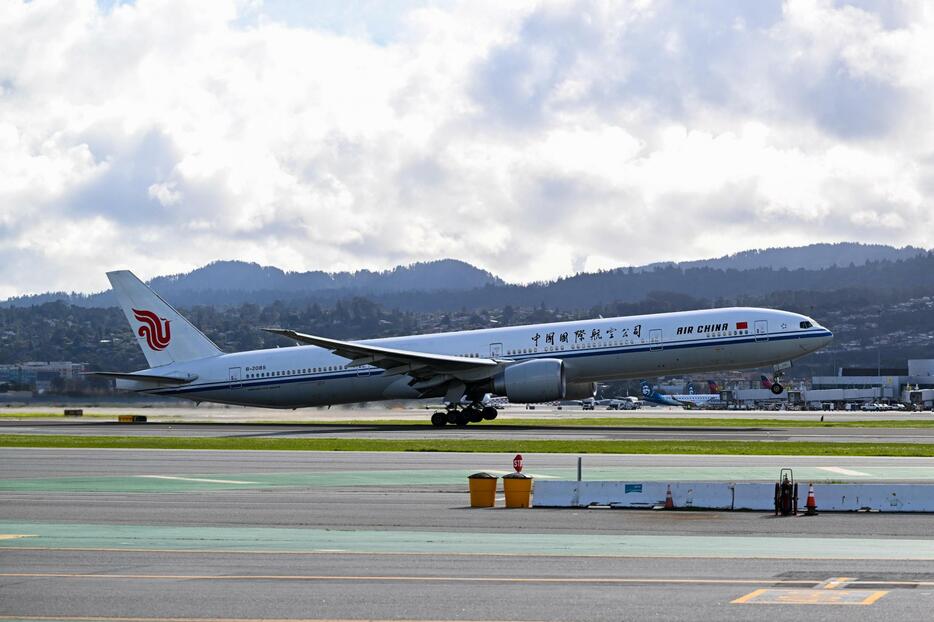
(517,463)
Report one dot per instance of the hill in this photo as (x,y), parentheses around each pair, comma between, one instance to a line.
(224,283)
(451,284)
(811,257)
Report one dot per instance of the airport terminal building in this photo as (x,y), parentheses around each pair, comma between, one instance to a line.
(913,385)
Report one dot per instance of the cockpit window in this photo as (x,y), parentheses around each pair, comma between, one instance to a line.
(806,324)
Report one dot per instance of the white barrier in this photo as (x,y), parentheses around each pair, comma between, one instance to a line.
(879,497)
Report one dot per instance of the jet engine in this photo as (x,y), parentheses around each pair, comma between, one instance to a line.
(541,380)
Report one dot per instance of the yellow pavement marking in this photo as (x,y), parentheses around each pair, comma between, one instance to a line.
(834,583)
(873,598)
(196,479)
(14,536)
(748,597)
(785,596)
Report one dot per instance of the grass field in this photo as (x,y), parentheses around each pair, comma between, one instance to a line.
(471,445)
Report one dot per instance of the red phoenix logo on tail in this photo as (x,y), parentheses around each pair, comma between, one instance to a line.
(155,329)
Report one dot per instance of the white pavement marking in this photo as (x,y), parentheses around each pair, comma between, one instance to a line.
(842,471)
(197,479)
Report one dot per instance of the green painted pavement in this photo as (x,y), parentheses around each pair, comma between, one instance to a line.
(255,539)
(174,482)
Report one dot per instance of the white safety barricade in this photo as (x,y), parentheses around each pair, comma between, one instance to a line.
(759,496)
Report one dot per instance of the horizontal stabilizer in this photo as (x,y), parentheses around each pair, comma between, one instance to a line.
(144,377)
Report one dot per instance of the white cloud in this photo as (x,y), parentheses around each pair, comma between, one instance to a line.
(532,139)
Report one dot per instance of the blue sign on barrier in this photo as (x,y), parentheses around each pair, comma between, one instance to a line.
(632,488)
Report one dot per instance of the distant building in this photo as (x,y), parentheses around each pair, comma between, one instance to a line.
(888,383)
(40,376)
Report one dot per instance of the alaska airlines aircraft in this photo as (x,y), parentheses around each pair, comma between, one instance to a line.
(526,364)
(686,400)
(650,394)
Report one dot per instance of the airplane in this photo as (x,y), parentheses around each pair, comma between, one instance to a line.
(525,364)
(691,399)
(687,400)
(618,403)
(650,394)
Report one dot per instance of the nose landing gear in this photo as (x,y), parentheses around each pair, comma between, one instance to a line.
(777,387)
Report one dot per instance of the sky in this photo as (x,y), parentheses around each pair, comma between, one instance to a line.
(532,139)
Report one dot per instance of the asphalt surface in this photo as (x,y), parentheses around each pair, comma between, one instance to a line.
(416,551)
(93,427)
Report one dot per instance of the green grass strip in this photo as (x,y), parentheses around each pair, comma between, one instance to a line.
(782,448)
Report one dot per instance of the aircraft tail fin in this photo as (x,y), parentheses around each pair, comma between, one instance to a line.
(648,391)
(163,334)
(765,382)
(712,386)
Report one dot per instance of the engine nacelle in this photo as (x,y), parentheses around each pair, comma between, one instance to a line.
(541,380)
(580,390)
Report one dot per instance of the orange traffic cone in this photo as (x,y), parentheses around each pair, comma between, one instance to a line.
(811,504)
(669,502)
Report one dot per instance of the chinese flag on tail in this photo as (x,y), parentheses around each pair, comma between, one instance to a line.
(742,325)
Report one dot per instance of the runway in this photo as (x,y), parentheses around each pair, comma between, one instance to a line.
(181,411)
(155,534)
(474,431)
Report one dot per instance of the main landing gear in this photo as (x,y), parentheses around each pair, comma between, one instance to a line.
(472,413)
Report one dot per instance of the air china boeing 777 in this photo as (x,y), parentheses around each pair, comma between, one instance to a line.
(536,363)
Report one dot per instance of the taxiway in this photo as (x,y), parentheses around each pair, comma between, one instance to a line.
(161,534)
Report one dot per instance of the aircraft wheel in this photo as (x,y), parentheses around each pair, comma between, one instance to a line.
(489,413)
(439,419)
(461,419)
(777,389)
(474,415)
(451,415)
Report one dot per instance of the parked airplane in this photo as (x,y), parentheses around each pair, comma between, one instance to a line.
(618,403)
(687,400)
(650,394)
(536,363)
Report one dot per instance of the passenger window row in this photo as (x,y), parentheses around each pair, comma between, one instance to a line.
(307,370)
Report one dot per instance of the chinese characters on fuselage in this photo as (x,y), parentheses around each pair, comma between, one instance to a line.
(581,335)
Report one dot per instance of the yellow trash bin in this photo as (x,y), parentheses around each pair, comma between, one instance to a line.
(518,487)
(482,490)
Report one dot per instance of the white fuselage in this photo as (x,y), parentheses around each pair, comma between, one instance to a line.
(592,351)
(695,399)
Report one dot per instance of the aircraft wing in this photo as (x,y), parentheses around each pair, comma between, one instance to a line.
(417,364)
